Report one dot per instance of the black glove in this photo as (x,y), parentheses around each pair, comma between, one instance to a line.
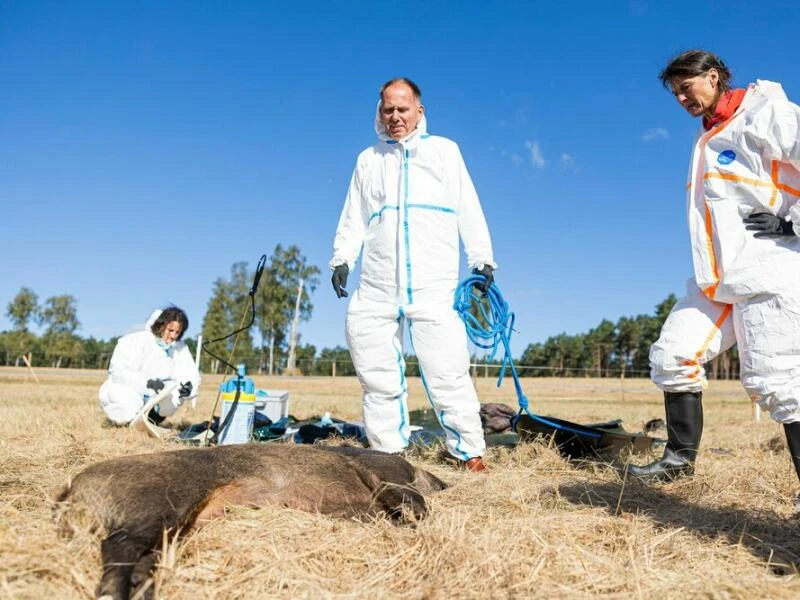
(155,384)
(488,273)
(185,389)
(767,225)
(339,280)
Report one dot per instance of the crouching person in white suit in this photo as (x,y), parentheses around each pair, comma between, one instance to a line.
(146,363)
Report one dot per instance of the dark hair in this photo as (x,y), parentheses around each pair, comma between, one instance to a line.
(696,62)
(414,87)
(168,315)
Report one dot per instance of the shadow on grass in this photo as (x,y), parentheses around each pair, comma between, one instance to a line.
(769,537)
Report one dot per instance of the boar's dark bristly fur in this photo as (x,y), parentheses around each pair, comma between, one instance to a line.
(133,499)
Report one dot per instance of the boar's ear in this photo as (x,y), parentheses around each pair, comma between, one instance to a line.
(402,503)
(427,482)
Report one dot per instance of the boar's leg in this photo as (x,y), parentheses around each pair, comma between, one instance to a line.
(141,581)
(121,553)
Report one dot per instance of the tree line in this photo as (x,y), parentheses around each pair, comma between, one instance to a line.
(283,299)
(284,292)
(613,350)
(58,345)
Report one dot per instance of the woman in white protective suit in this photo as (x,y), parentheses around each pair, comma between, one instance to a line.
(410,200)
(744,221)
(149,362)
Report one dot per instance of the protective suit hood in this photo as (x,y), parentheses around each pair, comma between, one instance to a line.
(383,135)
(152,318)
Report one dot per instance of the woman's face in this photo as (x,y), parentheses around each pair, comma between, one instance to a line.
(698,95)
(171,332)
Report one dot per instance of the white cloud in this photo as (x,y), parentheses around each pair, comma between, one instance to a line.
(656,133)
(567,161)
(517,160)
(537,160)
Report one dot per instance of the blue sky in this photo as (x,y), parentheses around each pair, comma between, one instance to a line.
(147,146)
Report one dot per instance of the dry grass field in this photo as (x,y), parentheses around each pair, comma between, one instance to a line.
(534,526)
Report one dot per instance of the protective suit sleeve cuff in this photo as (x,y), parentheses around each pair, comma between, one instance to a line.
(335,262)
(480,264)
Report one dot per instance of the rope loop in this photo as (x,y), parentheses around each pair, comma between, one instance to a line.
(491,329)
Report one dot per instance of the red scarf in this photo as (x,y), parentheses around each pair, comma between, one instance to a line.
(726,106)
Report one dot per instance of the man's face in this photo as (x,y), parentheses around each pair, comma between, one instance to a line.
(400,111)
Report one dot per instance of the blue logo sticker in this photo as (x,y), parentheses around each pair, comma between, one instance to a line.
(726,157)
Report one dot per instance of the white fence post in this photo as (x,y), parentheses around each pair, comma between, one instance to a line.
(197,364)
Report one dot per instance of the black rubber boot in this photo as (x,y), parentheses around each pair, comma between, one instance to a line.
(684,429)
(793,441)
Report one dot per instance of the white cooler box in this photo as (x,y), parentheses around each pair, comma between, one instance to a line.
(273,404)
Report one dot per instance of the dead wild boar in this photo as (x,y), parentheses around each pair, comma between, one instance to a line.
(133,499)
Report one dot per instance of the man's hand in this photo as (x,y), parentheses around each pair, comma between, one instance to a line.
(185,390)
(155,384)
(488,273)
(339,280)
(767,225)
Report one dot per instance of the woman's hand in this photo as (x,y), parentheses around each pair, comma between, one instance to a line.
(768,225)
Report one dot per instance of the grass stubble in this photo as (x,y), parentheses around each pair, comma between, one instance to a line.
(534,526)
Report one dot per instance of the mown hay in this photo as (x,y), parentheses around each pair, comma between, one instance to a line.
(534,526)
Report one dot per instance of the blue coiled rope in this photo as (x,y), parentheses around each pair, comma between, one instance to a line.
(494,330)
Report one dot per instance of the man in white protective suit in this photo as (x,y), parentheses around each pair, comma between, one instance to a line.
(149,363)
(744,221)
(410,199)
